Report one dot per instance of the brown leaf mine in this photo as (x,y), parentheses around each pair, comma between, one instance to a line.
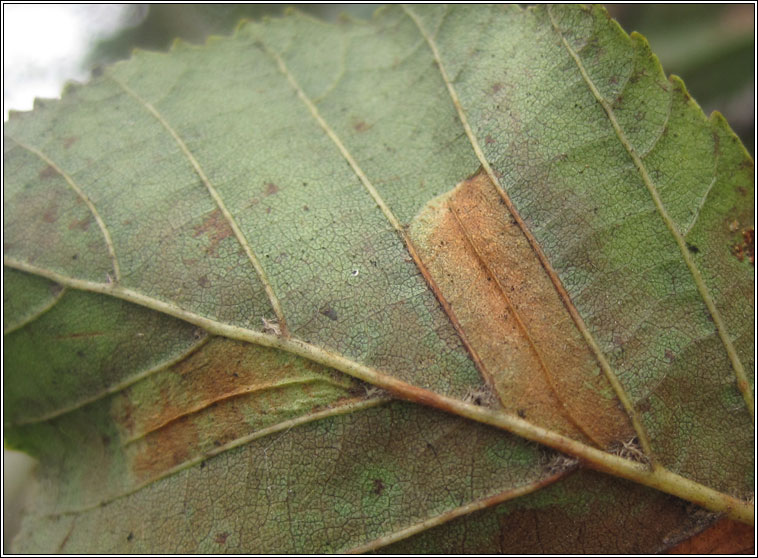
(530,349)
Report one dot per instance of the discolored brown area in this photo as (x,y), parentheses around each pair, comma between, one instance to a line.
(514,320)
(216,228)
(725,537)
(217,395)
(646,523)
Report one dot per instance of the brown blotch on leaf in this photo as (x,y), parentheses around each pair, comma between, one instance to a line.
(47,173)
(69,141)
(745,249)
(192,410)
(216,228)
(378,487)
(80,224)
(271,189)
(532,354)
(361,126)
(51,215)
(221,537)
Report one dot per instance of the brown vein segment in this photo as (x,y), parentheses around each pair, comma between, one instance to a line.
(384,208)
(513,317)
(79,192)
(239,235)
(602,361)
(658,477)
(742,381)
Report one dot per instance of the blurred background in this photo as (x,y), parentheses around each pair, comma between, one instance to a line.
(711,46)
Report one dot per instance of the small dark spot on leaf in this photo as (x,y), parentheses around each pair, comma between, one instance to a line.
(496,87)
(97,71)
(130,537)
(378,487)
(669,354)
(521,413)
(203,281)
(329,312)
(216,443)
(489,139)
(361,126)
(221,538)
(75,257)
(306,208)
(692,248)
(82,225)
(80,354)
(271,189)
(106,440)
(47,172)
(202,464)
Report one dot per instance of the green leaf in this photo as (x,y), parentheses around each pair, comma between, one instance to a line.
(320,287)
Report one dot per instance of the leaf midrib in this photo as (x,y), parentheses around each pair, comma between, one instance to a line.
(658,478)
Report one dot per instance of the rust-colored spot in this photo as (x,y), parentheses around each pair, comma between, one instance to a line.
(489,139)
(530,349)
(271,189)
(47,173)
(216,228)
(669,354)
(745,248)
(221,538)
(496,87)
(360,126)
(80,224)
(69,141)
(50,215)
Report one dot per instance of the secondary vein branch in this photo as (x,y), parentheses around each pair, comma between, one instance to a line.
(238,234)
(742,381)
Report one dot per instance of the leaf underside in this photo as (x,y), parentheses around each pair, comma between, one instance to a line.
(225,266)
